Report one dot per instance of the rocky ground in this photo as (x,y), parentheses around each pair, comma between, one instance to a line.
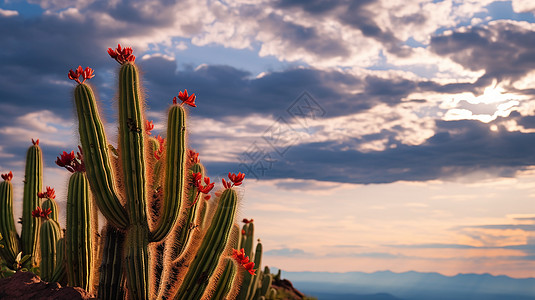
(26,285)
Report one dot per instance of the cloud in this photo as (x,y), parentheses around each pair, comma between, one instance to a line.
(285,252)
(503,49)
(8,13)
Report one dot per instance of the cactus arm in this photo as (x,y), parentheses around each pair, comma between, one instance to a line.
(213,245)
(96,157)
(79,233)
(174,172)
(8,231)
(32,186)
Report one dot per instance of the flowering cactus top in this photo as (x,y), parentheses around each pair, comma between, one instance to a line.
(50,193)
(122,55)
(247,221)
(235,179)
(70,162)
(193,157)
(149,126)
(7,176)
(75,75)
(185,98)
(41,213)
(239,256)
(36,142)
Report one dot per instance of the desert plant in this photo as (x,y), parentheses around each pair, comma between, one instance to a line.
(142,193)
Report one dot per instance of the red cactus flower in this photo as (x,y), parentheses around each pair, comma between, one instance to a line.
(239,256)
(50,193)
(37,212)
(71,162)
(185,98)
(36,142)
(207,187)
(40,213)
(235,179)
(243,231)
(88,73)
(193,157)
(247,221)
(149,126)
(7,176)
(196,179)
(122,55)
(249,267)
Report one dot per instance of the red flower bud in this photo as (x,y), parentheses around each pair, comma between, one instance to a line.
(7,176)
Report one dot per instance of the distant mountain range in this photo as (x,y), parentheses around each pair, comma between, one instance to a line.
(386,285)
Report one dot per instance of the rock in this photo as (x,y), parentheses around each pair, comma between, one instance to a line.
(26,285)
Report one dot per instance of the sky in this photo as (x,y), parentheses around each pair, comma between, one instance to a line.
(374,134)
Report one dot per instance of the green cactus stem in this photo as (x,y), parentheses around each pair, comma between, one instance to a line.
(10,238)
(32,186)
(112,280)
(174,172)
(60,274)
(50,234)
(213,244)
(226,280)
(78,238)
(96,157)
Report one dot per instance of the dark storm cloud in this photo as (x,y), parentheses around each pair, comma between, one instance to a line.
(298,37)
(357,14)
(457,148)
(503,50)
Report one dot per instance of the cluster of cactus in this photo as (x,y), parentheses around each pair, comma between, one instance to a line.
(254,286)
(163,238)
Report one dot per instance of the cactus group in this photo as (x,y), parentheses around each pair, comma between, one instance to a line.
(165,236)
(22,252)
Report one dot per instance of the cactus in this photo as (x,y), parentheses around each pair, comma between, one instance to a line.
(143,196)
(10,238)
(78,241)
(32,187)
(28,241)
(49,237)
(153,197)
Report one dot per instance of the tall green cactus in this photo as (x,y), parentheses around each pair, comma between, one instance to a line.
(10,238)
(78,240)
(127,198)
(33,177)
